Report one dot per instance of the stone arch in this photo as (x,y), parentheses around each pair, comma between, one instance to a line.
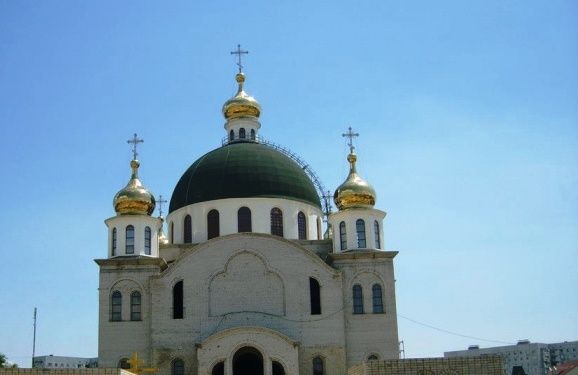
(244,283)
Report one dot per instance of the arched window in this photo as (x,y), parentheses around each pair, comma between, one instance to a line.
(116,306)
(172,229)
(178,300)
(360,226)
(301,226)
(178,367)
(319,228)
(123,364)
(315,296)
(244,220)
(218,369)
(277,368)
(253,134)
(342,236)
(147,240)
(376,234)
(242,133)
(187,230)
(231,135)
(213,224)
(372,357)
(129,240)
(113,251)
(318,368)
(135,304)
(357,299)
(276,222)
(377,298)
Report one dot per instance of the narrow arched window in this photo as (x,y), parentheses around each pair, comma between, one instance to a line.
(113,250)
(147,241)
(318,368)
(231,135)
(187,230)
(376,234)
(253,134)
(172,229)
(244,220)
(315,296)
(342,236)
(360,227)
(319,229)
(218,369)
(242,133)
(135,306)
(116,306)
(178,300)
(178,367)
(213,224)
(277,368)
(129,240)
(377,298)
(301,226)
(276,222)
(357,299)
(372,357)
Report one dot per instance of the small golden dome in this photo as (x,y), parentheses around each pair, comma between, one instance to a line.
(163,240)
(242,104)
(355,192)
(134,198)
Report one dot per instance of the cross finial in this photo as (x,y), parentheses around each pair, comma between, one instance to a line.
(160,201)
(239,52)
(134,141)
(350,134)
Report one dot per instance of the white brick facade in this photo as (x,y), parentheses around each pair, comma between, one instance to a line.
(252,290)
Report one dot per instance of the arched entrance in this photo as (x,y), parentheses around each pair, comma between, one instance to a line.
(248,361)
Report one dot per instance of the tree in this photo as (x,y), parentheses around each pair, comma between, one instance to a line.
(4,362)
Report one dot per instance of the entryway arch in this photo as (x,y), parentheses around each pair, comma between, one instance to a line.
(248,361)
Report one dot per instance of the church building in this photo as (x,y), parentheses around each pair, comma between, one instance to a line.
(246,279)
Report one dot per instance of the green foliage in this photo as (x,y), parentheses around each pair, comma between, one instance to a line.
(4,362)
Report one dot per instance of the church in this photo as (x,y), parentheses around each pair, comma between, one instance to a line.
(253,276)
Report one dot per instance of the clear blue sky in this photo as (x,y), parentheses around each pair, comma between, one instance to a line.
(469,133)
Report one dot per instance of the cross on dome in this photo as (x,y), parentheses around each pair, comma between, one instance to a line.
(134,141)
(350,134)
(239,52)
(160,201)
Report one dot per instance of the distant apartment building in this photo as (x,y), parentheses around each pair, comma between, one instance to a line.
(58,362)
(525,358)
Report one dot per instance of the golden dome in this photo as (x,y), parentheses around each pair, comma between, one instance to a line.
(163,240)
(355,192)
(134,198)
(242,104)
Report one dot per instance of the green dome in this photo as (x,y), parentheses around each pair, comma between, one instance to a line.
(243,170)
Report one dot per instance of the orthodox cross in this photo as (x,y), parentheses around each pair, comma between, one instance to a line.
(350,134)
(239,52)
(134,141)
(160,200)
(135,363)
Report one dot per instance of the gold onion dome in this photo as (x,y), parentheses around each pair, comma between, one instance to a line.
(134,198)
(242,104)
(355,192)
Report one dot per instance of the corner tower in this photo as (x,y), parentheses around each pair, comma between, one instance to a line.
(357,225)
(133,231)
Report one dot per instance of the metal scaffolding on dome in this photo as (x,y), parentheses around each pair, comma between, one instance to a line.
(324,195)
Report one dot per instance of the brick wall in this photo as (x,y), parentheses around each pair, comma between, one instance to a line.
(485,365)
(79,371)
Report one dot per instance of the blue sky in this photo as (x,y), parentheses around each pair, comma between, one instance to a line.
(469,133)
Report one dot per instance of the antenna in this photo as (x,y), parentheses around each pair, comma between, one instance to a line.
(402,349)
(34,339)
